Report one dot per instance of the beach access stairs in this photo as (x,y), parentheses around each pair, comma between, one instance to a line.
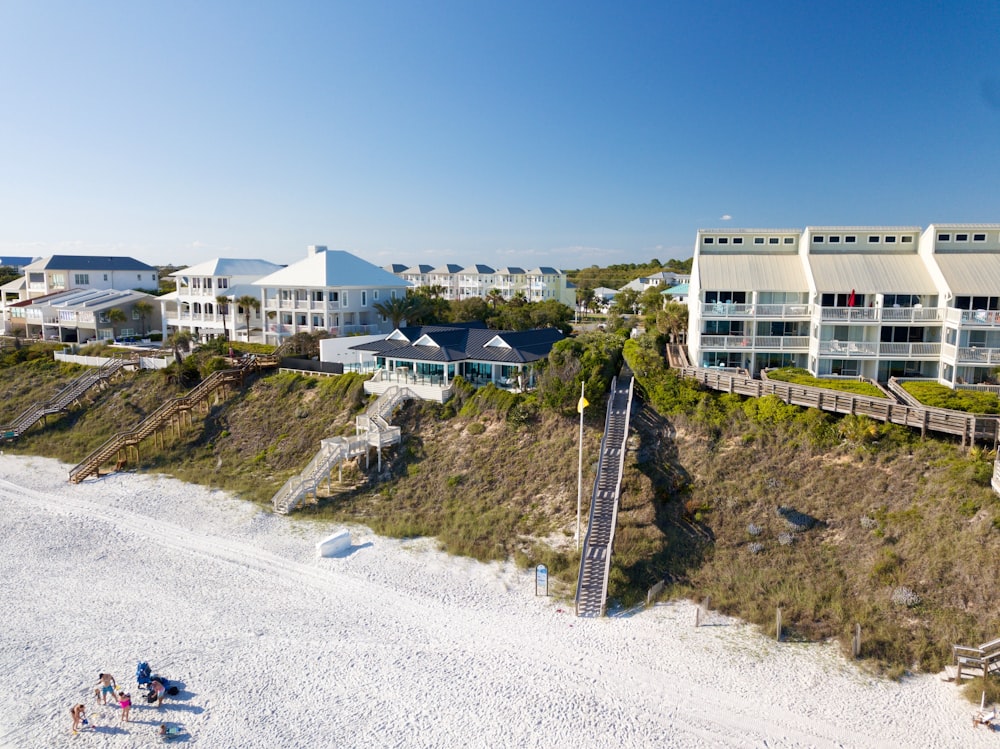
(974,661)
(595,559)
(372,429)
(218,386)
(64,398)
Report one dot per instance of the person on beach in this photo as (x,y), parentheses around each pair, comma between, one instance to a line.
(125,703)
(159,690)
(79,717)
(108,686)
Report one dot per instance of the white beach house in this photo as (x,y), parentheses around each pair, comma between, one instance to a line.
(329,290)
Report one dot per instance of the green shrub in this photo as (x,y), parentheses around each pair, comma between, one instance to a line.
(938,396)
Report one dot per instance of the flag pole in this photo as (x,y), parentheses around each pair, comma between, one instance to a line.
(579,473)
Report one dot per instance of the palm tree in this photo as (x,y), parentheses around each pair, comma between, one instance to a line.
(116,317)
(248,303)
(397,309)
(181,339)
(223,302)
(494,297)
(145,309)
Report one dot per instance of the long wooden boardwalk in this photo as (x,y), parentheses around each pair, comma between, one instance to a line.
(595,561)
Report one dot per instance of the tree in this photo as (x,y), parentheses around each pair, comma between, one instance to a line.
(672,320)
(248,303)
(585,298)
(144,309)
(626,301)
(494,297)
(223,301)
(116,317)
(179,340)
(431,306)
(398,309)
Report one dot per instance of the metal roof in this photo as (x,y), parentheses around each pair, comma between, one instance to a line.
(759,271)
(871,273)
(332,269)
(225,266)
(973,274)
(452,344)
(88,263)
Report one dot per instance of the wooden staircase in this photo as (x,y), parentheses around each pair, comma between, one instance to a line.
(595,560)
(72,392)
(125,444)
(372,429)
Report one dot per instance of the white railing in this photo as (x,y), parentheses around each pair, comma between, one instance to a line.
(977,355)
(848,348)
(781,342)
(911,314)
(779,311)
(849,314)
(907,350)
(977,317)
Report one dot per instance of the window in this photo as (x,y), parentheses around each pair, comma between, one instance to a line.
(772,240)
(334,296)
(758,240)
(345,299)
(850,239)
(978,237)
(375,295)
(81,279)
(944,237)
(208,282)
(834,240)
(364,298)
(139,277)
(961,237)
(105,276)
(906,240)
(222,283)
(737,240)
(723,240)
(789,240)
(317,296)
(818,239)
(709,240)
(392,294)
(873,238)
(135,314)
(890,239)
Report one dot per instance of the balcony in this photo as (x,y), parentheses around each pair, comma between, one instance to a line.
(910,350)
(911,314)
(978,355)
(767,311)
(978,318)
(848,349)
(798,343)
(850,314)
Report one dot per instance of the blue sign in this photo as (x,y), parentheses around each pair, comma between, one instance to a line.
(542,579)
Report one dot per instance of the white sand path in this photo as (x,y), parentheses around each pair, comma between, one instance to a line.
(393,644)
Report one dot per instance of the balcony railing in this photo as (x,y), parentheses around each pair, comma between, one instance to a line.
(759,343)
(850,314)
(978,355)
(974,318)
(911,314)
(779,311)
(910,350)
(848,348)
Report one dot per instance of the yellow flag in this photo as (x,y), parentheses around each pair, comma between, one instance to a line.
(582,405)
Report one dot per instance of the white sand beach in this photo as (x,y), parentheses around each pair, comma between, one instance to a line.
(392,644)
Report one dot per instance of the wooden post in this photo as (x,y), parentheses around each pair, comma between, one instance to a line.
(697,617)
(856,641)
(777,625)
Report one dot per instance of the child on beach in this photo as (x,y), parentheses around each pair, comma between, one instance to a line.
(125,703)
(79,717)
(108,686)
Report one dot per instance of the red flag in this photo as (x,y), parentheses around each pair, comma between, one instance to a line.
(850,299)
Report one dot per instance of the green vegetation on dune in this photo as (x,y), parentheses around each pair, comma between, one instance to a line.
(939,396)
(798,376)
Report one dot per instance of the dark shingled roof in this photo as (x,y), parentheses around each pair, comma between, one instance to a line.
(94,263)
(466,341)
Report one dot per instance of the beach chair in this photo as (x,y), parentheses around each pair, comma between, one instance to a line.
(982,716)
(143,675)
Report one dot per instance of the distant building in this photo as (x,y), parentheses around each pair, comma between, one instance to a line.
(330,290)
(17,263)
(663,279)
(457,282)
(876,302)
(81,315)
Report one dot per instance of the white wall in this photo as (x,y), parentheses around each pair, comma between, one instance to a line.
(338,349)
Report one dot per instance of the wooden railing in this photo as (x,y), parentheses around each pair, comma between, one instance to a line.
(970,427)
(39,410)
(165,414)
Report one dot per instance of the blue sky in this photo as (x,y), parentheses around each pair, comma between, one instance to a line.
(513,133)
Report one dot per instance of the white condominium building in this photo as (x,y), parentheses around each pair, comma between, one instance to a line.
(458,282)
(871,301)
